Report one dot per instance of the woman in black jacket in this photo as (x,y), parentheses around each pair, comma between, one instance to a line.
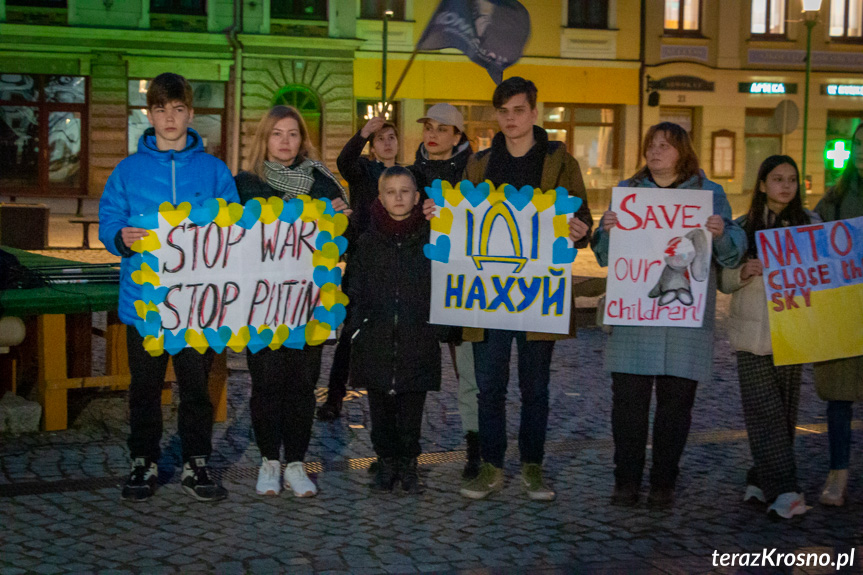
(362,176)
(283,380)
(395,352)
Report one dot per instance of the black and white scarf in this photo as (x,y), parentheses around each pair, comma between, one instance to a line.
(298,179)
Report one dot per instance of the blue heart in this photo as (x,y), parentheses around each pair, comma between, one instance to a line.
(150,326)
(144,258)
(205,213)
(215,340)
(322,239)
(474,195)
(291,211)
(251,213)
(151,294)
(146,221)
(258,341)
(323,276)
(341,243)
(334,316)
(175,342)
(297,338)
(518,198)
(328,207)
(435,192)
(438,252)
(561,252)
(565,204)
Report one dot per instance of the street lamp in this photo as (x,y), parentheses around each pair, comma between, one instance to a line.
(387,15)
(811,8)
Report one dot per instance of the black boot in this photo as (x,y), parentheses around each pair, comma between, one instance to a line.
(330,410)
(471,468)
(386,475)
(410,476)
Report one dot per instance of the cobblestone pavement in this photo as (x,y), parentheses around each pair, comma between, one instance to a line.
(61,511)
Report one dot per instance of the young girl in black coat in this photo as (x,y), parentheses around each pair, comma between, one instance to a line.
(395,352)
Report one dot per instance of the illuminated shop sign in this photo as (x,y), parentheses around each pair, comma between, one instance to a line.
(766,88)
(842,90)
(837,153)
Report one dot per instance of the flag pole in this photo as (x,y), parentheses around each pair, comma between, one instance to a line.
(403,74)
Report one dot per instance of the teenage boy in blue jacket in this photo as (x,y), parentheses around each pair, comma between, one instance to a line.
(169,166)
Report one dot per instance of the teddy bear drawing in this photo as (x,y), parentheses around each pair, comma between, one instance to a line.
(687,258)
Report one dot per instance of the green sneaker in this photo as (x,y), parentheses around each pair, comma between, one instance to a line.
(531,478)
(490,479)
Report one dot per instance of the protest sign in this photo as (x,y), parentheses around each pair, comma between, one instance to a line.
(225,275)
(501,257)
(813,276)
(659,257)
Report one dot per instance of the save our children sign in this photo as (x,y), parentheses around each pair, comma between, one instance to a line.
(501,257)
(813,276)
(263,274)
(659,257)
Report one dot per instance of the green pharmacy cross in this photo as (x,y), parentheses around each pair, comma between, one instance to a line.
(837,153)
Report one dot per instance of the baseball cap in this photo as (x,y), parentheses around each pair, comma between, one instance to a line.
(446,114)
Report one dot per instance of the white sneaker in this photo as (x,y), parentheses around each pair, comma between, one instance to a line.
(835,488)
(753,492)
(269,482)
(787,505)
(297,481)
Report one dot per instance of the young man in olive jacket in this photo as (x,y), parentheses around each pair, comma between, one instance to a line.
(520,155)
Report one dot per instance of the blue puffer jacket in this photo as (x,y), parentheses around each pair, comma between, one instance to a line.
(141,182)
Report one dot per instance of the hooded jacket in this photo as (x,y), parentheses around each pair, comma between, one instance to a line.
(146,179)
(394,348)
(426,170)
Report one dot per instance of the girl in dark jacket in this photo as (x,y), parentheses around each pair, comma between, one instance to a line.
(362,175)
(395,353)
(283,380)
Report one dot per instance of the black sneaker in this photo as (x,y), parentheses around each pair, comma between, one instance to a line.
(142,480)
(329,411)
(197,483)
(386,475)
(410,478)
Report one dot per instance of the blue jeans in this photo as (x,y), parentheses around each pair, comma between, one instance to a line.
(839,433)
(491,359)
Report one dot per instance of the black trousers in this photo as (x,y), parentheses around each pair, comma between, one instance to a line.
(283,399)
(629,422)
(337,388)
(195,413)
(396,423)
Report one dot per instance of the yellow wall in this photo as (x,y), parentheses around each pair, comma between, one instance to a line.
(454,81)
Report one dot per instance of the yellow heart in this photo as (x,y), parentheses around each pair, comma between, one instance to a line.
(543,201)
(328,256)
(317,332)
(271,209)
(442,222)
(174,215)
(148,243)
(142,307)
(239,340)
(335,225)
(331,295)
(145,276)
(495,195)
(561,226)
(452,196)
(155,346)
(312,210)
(228,215)
(197,341)
(280,336)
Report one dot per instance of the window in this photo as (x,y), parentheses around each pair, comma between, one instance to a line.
(374,9)
(722,156)
(682,17)
(42,121)
(209,104)
(299,9)
(768,17)
(590,135)
(192,7)
(587,14)
(846,19)
(763,138)
(840,127)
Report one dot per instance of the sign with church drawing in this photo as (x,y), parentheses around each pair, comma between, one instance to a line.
(501,257)
(659,257)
